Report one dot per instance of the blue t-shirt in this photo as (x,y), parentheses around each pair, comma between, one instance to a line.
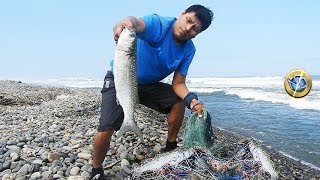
(157,54)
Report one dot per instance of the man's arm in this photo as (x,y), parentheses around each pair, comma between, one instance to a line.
(129,22)
(181,90)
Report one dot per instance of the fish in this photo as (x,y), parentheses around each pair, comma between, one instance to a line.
(198,161)
(125,79)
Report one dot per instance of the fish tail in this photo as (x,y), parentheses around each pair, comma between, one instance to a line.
(130,127)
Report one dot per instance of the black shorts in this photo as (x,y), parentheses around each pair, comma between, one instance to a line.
(158,96)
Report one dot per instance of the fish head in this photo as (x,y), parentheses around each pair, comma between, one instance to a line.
(126,40)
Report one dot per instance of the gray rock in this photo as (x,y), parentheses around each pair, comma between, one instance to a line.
(86,156)
(24,170)
(80,161)
(67,148)
(86,167)
(22,162)
(76,178)
(6,155)
(56,169)
(68,171)
(14,156)
(20,177)
(7,171)
(36,175)
(46,174)
(6,164)
(157,148)
(29,138)
(74,171)
(15,167)
(56,163)
(14,149)
(116,168)
(123,154)
(34,168)
(127,169)
(23,139)
(20,144)
(9,142)
(57,176)
(124,162)
(85,174)
(37,161)
(60,172)
(7,176)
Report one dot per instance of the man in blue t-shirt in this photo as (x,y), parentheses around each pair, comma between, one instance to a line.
(164,46)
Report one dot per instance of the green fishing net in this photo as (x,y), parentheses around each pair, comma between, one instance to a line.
(198,131)
(202,158)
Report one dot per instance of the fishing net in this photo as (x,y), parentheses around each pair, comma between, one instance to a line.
(198,131)
(201,160)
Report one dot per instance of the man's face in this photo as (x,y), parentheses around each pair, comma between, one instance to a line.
(186,27)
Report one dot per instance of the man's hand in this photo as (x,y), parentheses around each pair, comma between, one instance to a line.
(129,22)
(197,106)
(118,28)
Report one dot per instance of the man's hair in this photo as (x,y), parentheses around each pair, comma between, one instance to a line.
(205,15)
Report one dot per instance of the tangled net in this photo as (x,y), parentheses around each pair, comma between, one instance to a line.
(199,161)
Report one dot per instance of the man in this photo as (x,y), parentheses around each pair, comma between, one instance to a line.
(164,46)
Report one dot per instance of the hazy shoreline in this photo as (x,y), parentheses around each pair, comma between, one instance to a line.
(40,125)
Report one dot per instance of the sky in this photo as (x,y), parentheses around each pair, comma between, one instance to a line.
(73,39)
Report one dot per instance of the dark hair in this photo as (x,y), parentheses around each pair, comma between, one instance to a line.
(205,15)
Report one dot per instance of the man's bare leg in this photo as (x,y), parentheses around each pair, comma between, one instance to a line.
(100,147)
(175,119)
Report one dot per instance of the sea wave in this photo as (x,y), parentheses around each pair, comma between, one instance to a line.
(268,89)
(71,82)
(296,159)
(277,97)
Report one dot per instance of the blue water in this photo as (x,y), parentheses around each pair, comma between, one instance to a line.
(293,131)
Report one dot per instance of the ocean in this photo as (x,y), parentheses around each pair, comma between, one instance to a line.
(256,107)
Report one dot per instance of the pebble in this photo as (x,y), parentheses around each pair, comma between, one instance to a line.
(124,162)
(140,157)
(55,129)
(86,156)
(46,174)
(24,170)
(6,165)
(56,163)
(14,156)
(35,175)
(76,178)
(74,171)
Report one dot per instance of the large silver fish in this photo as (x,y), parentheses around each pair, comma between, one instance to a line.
(125,79)
(200,163)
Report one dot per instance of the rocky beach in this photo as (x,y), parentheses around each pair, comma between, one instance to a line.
(48,132)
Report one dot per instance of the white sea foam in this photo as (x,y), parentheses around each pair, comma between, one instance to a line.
(303,162)
(205,90)
(237,82)
(72,82)
(276,97)
(268,89)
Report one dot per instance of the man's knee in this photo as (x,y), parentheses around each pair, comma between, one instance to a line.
(176,114)
(178,107)
(104,135)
